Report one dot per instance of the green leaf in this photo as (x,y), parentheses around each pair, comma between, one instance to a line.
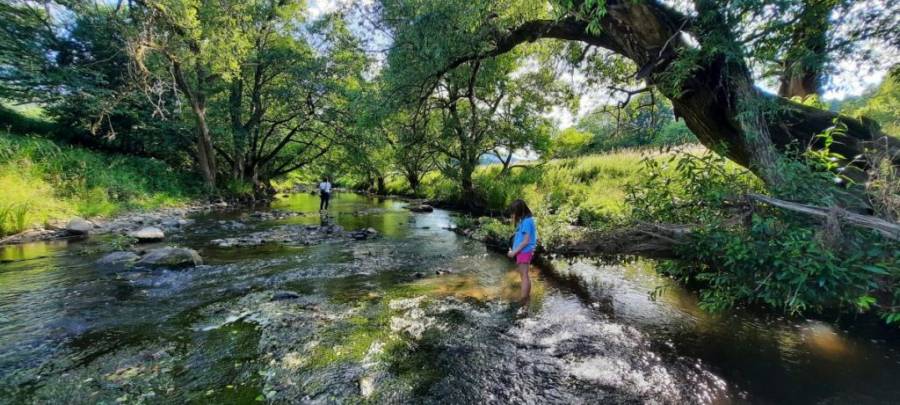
(875,269)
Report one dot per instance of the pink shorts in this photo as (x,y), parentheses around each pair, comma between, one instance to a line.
(524,257)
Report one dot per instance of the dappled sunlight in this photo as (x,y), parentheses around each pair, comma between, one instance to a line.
(473,286)
(824,340)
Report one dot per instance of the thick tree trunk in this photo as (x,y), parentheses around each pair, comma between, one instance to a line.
(798,81)
(239,132)
(717,99)
(381,187)
(465,179)
(413,180)
(206,158)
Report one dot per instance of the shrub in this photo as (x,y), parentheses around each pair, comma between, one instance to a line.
(570,142)
(774,258)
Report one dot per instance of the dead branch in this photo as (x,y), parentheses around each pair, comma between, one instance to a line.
(628,93)
(888,229)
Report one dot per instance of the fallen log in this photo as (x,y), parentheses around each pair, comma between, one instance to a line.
(660,241)
(656,241)
(886,228)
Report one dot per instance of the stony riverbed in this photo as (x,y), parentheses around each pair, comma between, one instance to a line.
(374,303)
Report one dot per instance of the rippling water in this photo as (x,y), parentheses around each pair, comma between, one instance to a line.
(362,325)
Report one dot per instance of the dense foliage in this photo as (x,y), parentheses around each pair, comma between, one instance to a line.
(740,253)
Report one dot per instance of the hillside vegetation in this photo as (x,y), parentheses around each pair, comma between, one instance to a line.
(43,181)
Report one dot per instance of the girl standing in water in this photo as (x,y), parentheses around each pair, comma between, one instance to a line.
(524,242)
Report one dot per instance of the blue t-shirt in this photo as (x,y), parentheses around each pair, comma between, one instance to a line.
(526,227)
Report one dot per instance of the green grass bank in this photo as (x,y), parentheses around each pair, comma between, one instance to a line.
(43,181)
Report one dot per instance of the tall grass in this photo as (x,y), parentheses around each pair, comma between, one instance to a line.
(43,181)
(585,191)
(588,189)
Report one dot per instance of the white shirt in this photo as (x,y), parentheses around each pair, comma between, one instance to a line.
(325,186)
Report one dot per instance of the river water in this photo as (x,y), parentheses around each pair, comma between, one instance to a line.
(416,315)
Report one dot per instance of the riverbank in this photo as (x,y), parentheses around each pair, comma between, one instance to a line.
(46,183)
(710,221)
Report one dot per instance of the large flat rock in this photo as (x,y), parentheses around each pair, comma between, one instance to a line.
(148,234)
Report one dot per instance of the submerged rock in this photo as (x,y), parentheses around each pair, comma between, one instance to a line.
(367,385)
(79,226)
(364,234)
(276,214)
(421,208)
(294,235)
(118,259)
(171,257)
(285,295)
(148,234)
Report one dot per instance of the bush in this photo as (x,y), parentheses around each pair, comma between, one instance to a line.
(780,260)
(570,142)
(673,134)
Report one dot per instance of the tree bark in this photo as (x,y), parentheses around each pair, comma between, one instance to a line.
(466,169)
(717,99)
(381,187)
(413,179)
(239,132)
(206,158)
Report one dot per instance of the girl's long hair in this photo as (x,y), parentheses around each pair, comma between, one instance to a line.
(519,211)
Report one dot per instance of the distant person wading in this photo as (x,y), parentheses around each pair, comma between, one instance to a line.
(324,193)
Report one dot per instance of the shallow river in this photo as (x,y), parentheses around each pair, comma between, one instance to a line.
(362,325)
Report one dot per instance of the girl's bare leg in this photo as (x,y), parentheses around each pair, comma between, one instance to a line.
(526,282)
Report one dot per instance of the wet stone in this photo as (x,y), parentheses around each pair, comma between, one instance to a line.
(171,257)
(421,208)
(148,234)
(293,235)
(273,215)
(285,295)
(118,259)
(79,226)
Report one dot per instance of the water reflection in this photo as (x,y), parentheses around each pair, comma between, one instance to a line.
(29,251)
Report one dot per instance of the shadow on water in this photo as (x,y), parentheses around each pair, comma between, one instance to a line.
(415,315)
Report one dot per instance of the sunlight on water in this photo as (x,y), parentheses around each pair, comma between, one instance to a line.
(823,340)
(474,286)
